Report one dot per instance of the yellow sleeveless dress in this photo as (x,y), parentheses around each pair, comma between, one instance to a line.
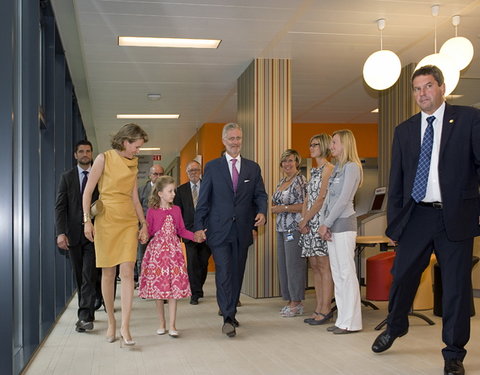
(116,228)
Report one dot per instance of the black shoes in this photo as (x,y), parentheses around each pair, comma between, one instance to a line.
(194,300)
(235,323)
(98,303)
(385,340)
(83,325)
(453,367)
(229,329)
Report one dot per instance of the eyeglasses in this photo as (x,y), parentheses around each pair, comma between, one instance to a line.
(157,174)
(312,145)
(193,170)
(232,139)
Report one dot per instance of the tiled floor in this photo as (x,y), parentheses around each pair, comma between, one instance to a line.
(265,344)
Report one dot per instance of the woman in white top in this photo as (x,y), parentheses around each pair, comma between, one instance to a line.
(339,229)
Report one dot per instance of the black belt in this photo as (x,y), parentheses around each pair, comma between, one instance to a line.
(436,205)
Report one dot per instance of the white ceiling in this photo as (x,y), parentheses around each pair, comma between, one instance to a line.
(327,40)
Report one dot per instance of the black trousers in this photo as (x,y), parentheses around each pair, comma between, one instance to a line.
(197,266)
(424,233)
(230,259)
(82,258)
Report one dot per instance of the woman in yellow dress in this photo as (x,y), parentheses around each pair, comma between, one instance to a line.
(116,229)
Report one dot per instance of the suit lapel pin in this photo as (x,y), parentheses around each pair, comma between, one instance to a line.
(451,121)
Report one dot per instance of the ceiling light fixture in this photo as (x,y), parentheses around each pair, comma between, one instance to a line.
(154,97)
(450,71)
(382,68)
(147,117)
(149,148)
(459,49)
(133,41)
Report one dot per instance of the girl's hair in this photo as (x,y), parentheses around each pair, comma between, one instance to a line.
(160,184)
(130,133)
(291,152)
(323,141)
(349,153)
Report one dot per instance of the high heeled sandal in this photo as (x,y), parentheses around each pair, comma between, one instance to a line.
(293,311)
(124,341)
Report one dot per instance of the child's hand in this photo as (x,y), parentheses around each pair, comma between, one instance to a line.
(199,236)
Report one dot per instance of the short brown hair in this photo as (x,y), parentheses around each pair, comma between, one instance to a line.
(428,70)
(129,132)
(289,152)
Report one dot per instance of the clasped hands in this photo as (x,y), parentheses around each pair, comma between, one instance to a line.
(199,236)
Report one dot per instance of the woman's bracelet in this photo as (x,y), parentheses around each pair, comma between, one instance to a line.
(144,222)
(86,217)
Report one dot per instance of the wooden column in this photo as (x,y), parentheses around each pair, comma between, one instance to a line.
(264,112)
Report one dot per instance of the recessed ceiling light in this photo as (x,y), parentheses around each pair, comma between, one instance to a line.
(154,97)
(133,41)
(149,148)
(147,117)
(374,110)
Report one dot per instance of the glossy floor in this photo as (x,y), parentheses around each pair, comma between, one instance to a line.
(265,343)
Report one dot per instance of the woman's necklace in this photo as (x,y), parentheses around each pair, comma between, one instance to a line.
(291,178)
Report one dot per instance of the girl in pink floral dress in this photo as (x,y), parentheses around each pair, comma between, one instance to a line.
(163,274)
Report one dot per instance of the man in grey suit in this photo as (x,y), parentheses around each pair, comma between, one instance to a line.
(156,170)
(70,237)
(198,254)
(434,205)
(232,202)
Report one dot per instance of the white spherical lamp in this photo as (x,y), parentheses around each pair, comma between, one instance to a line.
(382,69)
(460,50)
(450,72)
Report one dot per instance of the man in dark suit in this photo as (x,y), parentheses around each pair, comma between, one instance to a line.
(144,191)
(197,253)
(232,202)
(70,237)
(434,205)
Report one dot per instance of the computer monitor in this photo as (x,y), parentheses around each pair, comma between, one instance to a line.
(378,201)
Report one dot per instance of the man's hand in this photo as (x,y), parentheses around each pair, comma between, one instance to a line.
(62,242)
(199,236)
(260,220)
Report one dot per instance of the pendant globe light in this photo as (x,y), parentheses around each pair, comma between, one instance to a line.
(459,49)
(450,71)
(382,68)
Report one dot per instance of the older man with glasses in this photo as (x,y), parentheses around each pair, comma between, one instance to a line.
(197,253)
(144,194)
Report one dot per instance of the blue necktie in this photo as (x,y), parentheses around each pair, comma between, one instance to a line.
(84,181)
(423,168)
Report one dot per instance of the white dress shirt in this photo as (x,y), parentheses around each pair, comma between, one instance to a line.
(433,193)
(237,165)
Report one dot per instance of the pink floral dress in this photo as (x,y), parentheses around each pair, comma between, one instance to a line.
(164,275)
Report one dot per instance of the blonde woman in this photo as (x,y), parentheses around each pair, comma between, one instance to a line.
(339,229)
(116,231)
(313,246)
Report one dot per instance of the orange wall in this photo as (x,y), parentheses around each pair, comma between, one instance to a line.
(366,136)
(209,146)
